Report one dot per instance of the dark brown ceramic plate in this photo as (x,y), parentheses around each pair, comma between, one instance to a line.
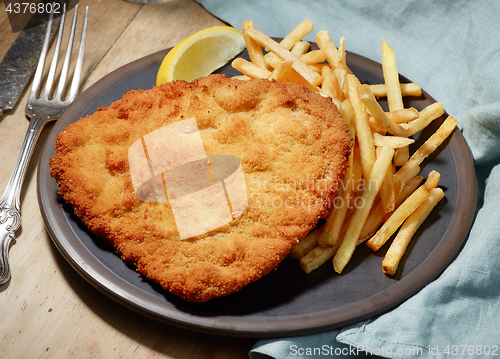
(287,301)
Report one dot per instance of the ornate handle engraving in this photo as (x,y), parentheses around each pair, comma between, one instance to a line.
(10,220)
(10,207)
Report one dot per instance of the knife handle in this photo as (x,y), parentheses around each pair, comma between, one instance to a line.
(10,220)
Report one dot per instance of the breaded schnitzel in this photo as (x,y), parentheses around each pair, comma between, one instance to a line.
(292,147)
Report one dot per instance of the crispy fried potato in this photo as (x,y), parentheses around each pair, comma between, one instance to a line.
(408,229)
(402,116)
(249,69)
(355,226)
(377,214)
(265,41)
(331,233)
(391,141)
(301,30)
(426,116)
(326,44)
(281,72)
(432,180)
(407,89)
(397,218)
(316,257)
(375,131)
(308,243)
(387,194)
(436,139)
(330,85)
(254,50)
(391,78)
(300,48)
(313,57)
(371,104)
(401,156)
(363,131)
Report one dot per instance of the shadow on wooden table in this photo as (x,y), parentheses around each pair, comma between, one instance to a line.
(160,337)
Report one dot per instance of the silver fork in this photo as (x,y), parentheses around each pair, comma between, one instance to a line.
(41,110)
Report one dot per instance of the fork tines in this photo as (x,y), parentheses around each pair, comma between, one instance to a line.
(64,72)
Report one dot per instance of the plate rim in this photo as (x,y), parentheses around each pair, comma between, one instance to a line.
(274,326)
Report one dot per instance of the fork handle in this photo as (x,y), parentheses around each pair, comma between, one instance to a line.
(10,212)
(10,220)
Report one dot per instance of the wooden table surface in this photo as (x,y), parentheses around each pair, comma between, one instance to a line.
(47,310)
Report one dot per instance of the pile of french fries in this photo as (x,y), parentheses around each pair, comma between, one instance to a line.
(381,191)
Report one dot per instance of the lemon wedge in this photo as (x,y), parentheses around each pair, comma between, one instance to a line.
(201,54)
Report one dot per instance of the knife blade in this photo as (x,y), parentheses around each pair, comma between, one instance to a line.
(20,62)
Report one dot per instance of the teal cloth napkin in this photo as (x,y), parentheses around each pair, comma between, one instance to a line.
(452,49)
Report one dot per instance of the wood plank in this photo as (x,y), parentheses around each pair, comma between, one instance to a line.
(7,37)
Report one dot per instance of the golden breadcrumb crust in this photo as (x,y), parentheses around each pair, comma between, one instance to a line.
(293,147)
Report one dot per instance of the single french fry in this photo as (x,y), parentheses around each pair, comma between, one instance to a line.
(357,170)
(308,243)
(363,130)
(377,215)
(300,48)
(406,172)
(426,116)
(433,142)
(401,156)
(407,231)
(391,141)
(358,219)
(372,105)
(326,44)
(387,195)
(330,86)
(313,57)
(281,72)
(331,230)
(407,89)
(265,41)
(432,180)
(373,222)
(327,85)
(301,30)
(330,234)
(249,69)
(343,60)
(340,73)
(254,50)
(402,116)
(347,113)
(397,218)
(391,78)
(316,257)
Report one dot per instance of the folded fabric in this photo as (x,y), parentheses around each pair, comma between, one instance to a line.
(451,49)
